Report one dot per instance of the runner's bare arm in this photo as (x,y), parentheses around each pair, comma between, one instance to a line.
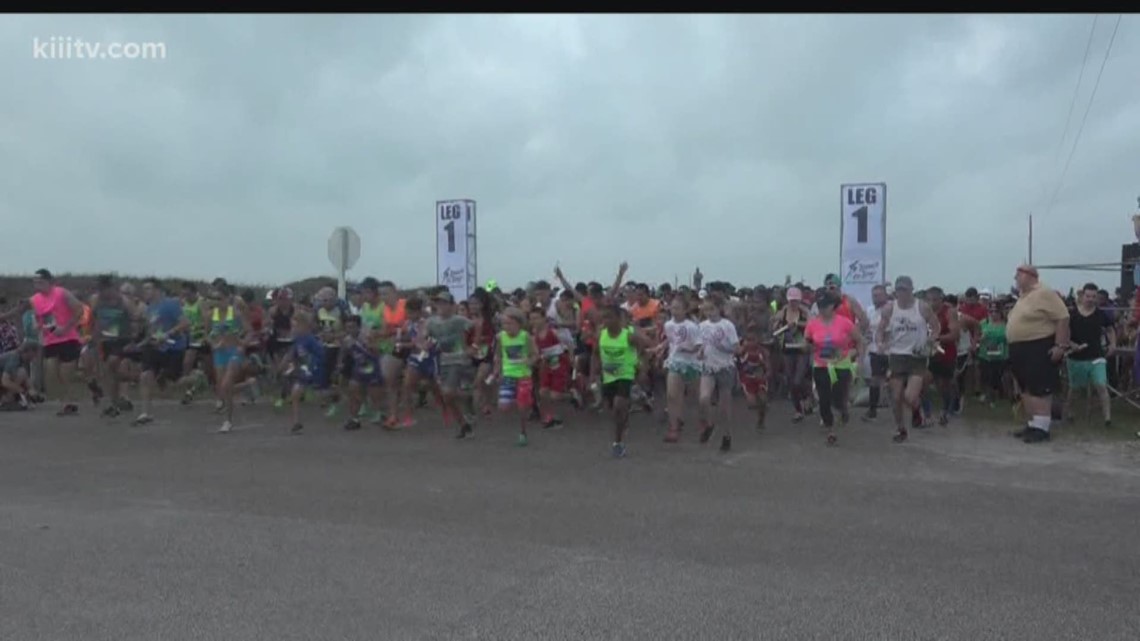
(931,318)
(596,361)
(884,323)
(860,345)
(616,287)
(565,283)
(533,354)
(861,319)
(76,308)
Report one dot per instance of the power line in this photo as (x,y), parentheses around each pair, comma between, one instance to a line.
(1072,105)
(1085,117)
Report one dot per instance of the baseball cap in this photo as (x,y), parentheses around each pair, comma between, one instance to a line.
(904,282)
(794,293)
(444,297)
(832,279)
(703,293)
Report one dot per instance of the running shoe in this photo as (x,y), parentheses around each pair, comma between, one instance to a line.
(617,450)
(899,436)
(143,419)
(226,427)
(96,391)
(352,424)
(70,409)
(725,443)
(552,423)
(706,432)
(297,428)
(521,441)
(465,430)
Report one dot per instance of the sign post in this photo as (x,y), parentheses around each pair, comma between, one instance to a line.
(863,239)
(455,251)
(344,251)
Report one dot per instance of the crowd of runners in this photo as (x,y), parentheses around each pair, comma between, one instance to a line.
(385,356)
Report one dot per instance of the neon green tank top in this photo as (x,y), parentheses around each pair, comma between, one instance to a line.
(373,319)
(514,352)
(193,314)
(619,357)
(227,327)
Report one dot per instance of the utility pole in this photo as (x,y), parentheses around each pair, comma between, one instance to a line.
(1030,261)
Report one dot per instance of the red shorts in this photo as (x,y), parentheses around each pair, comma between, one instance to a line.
(555,379)
(753,385)
(516,391)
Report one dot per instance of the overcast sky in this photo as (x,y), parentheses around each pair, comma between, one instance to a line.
(670,142)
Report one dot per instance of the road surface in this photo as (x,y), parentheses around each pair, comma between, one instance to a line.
(171,532)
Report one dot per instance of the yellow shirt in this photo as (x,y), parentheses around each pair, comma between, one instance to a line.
(1035,316)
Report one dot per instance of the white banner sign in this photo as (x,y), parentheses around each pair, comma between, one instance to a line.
(455,264)
(863,233)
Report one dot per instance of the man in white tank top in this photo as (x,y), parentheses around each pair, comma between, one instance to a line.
(906,333)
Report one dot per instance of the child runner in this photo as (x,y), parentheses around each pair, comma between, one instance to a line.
(554,368)
(682,337)
(615,363)
(304,365)
(515,359)
(718,371)
(752,368)
(832,337)
(361,356)
(422,363)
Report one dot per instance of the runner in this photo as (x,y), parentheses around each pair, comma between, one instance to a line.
(58,313)
(554,368)
(113,318)
(878,358)
(452,336)
(198,349)
(993,355)
(832,337)
(422,364)
(515,358)
(281,311)
(752,371)
(1090,331)
(789,324)
(643,311)
(719,341)
(944,362)
(482,340)
(304,365)
(1038,335)
(225,327)
(162,352)
(361,358)
(682,339)
(615,364)
(905,331)
(331,313)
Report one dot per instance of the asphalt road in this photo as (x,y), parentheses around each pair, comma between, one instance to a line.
(172,532)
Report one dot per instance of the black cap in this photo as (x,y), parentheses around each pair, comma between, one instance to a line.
(971,292)
(371,284)
(44,274)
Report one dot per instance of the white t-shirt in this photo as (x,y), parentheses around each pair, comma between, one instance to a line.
(874,316)
(685,335)
(719,340)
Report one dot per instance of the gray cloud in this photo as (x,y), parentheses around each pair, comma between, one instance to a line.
(668,141)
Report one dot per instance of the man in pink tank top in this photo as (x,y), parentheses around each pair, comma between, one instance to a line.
(58,314)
